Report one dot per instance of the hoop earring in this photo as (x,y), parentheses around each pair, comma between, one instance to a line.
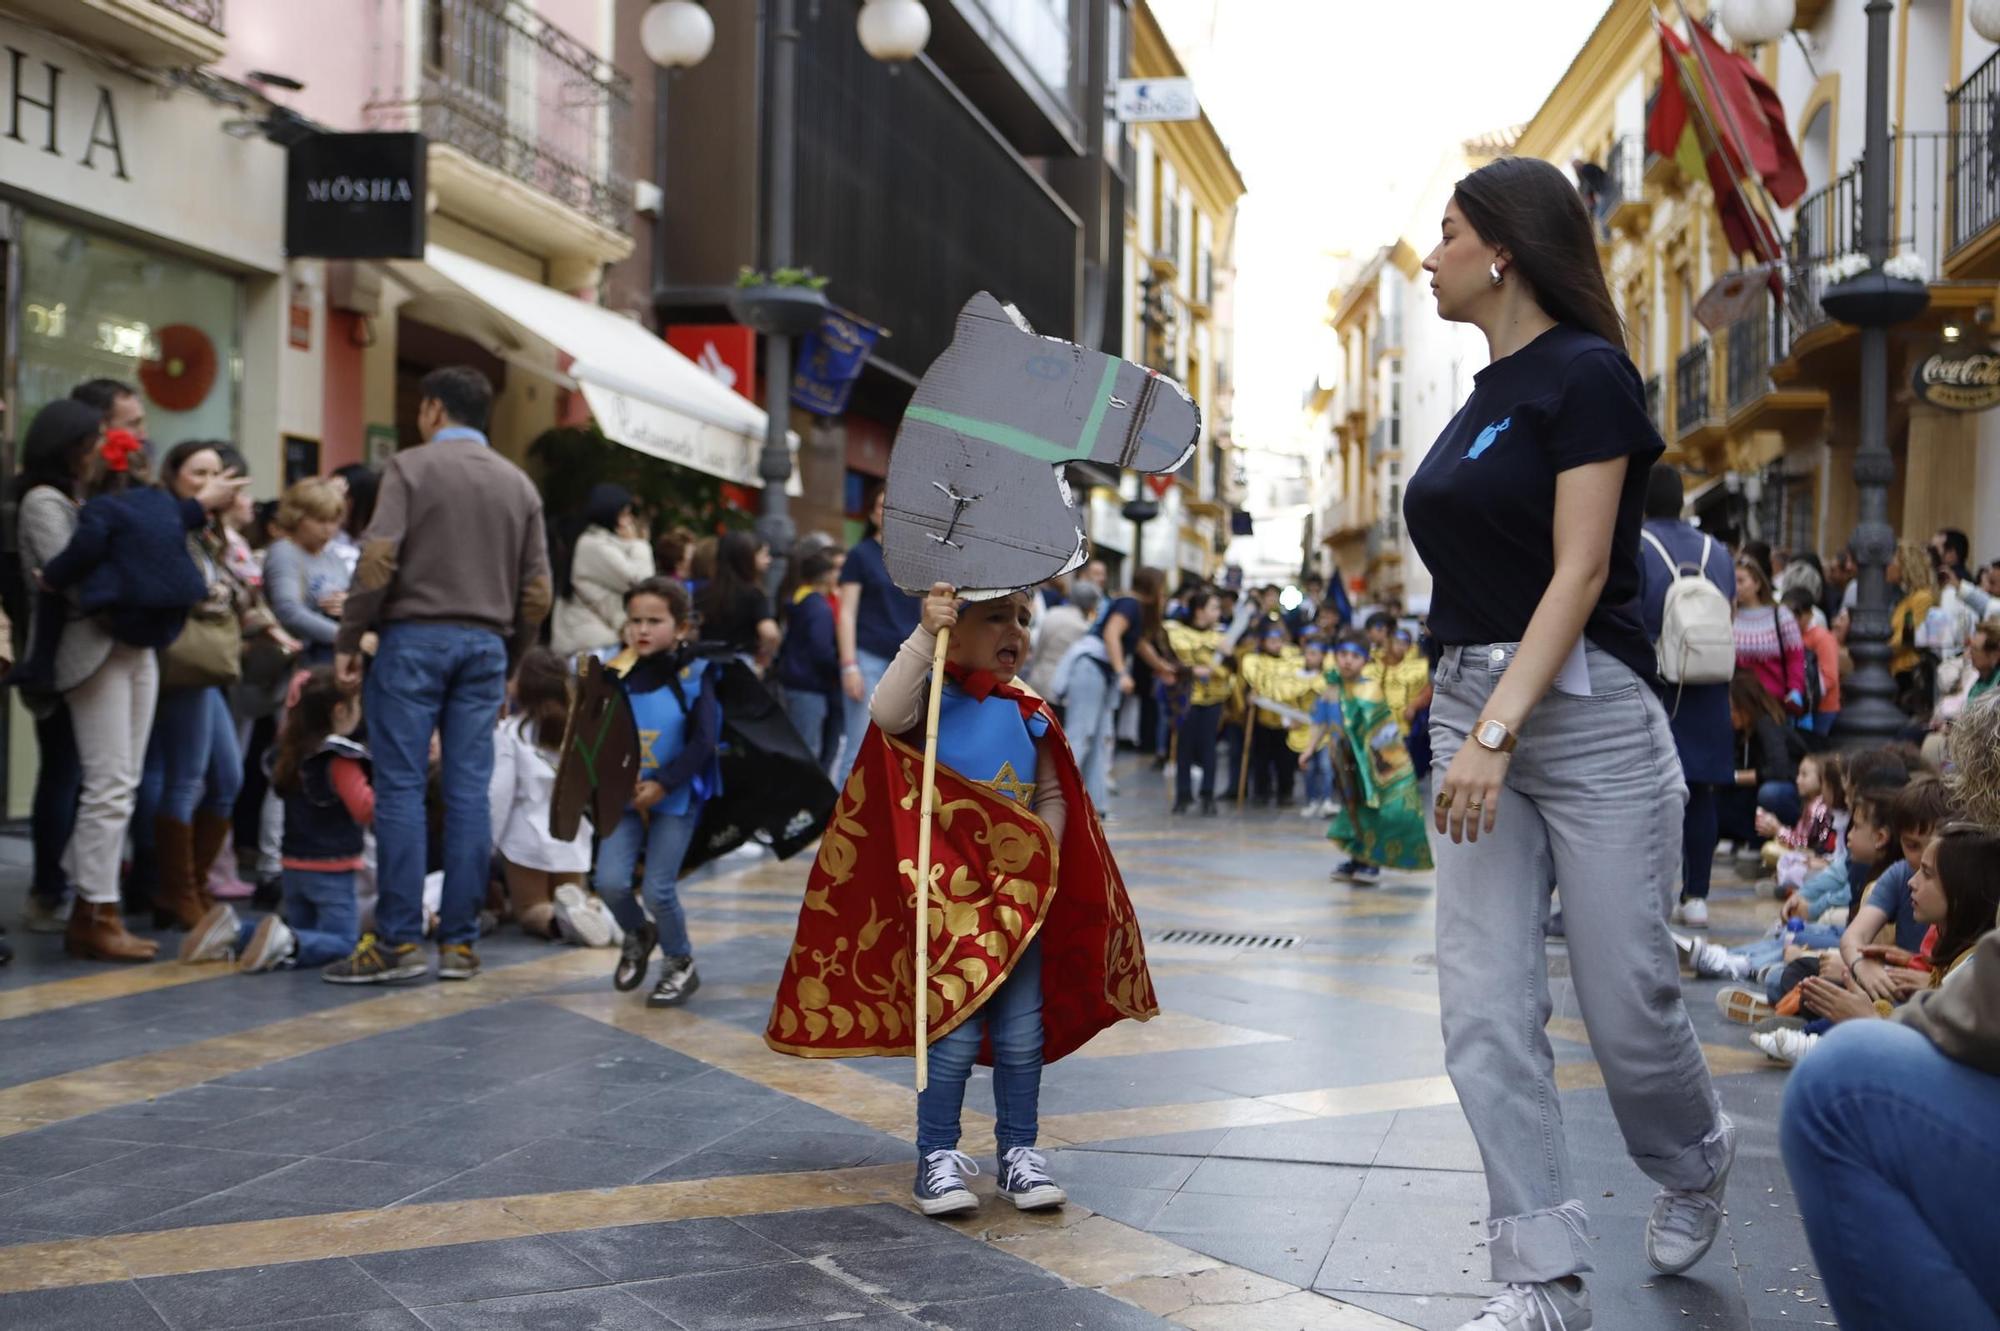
(1494,270)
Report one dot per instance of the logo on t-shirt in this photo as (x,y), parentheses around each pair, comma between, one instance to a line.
(1487,436)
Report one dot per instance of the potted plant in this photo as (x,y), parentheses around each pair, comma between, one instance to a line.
(787,301)
(1856,292)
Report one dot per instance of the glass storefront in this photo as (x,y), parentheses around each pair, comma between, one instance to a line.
(96,308)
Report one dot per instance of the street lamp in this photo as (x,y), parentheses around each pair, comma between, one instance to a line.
(678,34)
(1754,22)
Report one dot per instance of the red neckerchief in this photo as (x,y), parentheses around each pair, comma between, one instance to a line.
(979,685)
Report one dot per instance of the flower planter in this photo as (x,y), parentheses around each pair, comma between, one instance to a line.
(785,311)
(1875,300)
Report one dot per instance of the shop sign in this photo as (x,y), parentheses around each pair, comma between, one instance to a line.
(98,142)
(1960,379)
(727,352)
(356,196)
(1139,100)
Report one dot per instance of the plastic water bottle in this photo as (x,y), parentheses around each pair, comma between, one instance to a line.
(1794,925)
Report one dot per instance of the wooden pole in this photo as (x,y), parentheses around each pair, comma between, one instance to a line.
(925,802)
(1249,733)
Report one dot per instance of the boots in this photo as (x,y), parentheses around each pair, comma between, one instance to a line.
(212,831)
(97,933)
(182,900)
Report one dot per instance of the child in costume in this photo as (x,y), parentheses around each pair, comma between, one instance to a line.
(1023,966)
(1381,819)
(1272,674)
(679,723)
(1197,644)
(322,776)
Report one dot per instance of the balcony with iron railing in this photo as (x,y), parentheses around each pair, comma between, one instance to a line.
(1752,342)
(154,34)
(1691,390)
(1624,206)
(517,97)
(1972,117)
(1656,403)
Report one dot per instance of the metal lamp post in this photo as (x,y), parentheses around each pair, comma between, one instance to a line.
(1868,706)
(891,31)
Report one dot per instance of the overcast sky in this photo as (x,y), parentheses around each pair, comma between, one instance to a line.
(1334,111)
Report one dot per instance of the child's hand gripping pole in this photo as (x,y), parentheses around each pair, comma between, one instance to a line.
(940,613)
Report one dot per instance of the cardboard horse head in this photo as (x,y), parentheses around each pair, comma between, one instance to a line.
(976,495)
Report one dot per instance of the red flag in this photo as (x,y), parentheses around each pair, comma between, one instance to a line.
(1750,119)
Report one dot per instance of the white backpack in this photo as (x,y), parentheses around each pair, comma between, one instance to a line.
(1697,637)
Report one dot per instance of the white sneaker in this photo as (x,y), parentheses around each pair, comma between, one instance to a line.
(1550,1306)
(214,937)
(269,948)
(1694,913)
(1709,961)
(1684,1222)
(1784,1045)
(1311,810)
(581,924)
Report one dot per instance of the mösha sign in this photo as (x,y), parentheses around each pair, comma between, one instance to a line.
(1960,380)
(356,196)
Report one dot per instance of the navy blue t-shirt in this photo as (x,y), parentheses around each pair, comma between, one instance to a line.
(887,613)
(1481,507)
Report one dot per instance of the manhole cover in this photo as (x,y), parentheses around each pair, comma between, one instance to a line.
(1216,938)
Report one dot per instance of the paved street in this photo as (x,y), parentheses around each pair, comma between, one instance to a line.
(1279,1150)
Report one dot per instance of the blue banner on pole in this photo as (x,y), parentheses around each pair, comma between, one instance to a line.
(830,360)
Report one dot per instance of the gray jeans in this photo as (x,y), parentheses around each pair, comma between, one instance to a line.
(1592,802)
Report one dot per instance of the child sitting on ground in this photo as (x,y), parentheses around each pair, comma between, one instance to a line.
(543,875)
(322,776)
(680,724)
(1017,973)
(1954,893)
(1790,849)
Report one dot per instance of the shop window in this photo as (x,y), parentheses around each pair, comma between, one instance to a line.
(94,308)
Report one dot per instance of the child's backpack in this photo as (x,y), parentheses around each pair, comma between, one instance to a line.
(1697,637)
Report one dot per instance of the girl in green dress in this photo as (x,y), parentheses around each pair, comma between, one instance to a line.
(1380,823)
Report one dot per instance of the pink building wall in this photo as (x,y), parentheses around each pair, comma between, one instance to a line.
(331,48)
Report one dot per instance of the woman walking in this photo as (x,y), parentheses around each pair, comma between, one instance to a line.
(1554,761)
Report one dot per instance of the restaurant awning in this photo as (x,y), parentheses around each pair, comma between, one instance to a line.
(643,393)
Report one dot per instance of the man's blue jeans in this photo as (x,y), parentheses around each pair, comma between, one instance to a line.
(664,838)
(873,667)
(451,680)
(1886,1143)
(820,719)
(1013,1017)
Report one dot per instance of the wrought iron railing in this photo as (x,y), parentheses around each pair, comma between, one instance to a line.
(208,13)
(1926,219)
(1756,343)
(1972,113)
(1691,407)
(1656,402)
(1624,173)
(510,89)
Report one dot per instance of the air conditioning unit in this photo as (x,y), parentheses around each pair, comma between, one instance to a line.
(353,287)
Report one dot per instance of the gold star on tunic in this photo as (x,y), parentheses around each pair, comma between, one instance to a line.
(1007,782)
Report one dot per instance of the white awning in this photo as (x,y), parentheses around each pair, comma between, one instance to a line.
(643,393)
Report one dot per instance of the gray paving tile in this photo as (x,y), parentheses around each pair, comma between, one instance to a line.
(681,1120)
(964,1270)
(1198,1143)
(844,1229)
(345,1185)
(46,1153)
(566,1310)
(375,1319)
(229,1208)
(308,1127)
(1429,1312)
(1286,1239)
(65,1206)
(1129,1170)
(460,1271)
(789,1295)
(1137,1207)
(1356,1264)
(1332,1186)
(582,1163)
(1326,1141)
(261,1295)
(758,1152)
(487,1180)
(197,1169)
(437,1141)
(1042,1310)
(119,1305)
(674,1248)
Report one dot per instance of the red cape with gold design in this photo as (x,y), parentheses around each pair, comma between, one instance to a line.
(846,990)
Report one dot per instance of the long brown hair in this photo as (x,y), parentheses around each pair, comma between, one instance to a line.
(541,691)
(1149,588)
(1528,208)
(1968,862)
(307,725)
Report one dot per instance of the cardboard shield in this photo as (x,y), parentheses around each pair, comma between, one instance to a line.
(976,495)
(773,788)
(600,755)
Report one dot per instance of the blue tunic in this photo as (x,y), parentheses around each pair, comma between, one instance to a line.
(989,742)
(663,731)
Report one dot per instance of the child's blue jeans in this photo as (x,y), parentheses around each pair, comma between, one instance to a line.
(1319,777)
(664,838)
(322,913)
(1770,951)
(1014,1016)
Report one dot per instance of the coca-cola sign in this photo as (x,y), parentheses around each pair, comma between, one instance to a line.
(1959,378)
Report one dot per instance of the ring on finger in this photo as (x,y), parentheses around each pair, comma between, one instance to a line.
(1475,806)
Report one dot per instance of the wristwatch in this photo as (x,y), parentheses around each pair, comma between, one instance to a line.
(1494,735)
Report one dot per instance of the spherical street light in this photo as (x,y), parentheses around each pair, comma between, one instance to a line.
(1754,22)
(893,30)
(677,34)
(1985,16)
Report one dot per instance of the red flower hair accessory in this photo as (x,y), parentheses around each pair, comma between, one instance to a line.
(118,448)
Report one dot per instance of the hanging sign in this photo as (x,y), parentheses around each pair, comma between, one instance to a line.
(356,196)
(1959,378)
(1156,99)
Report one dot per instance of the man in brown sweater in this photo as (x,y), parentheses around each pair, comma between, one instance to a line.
(454,579)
